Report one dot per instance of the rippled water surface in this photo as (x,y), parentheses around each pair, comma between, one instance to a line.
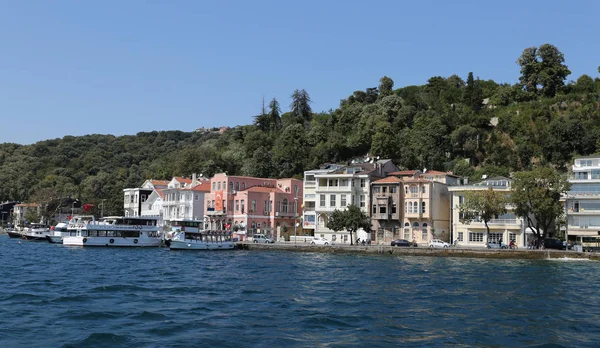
(56,296)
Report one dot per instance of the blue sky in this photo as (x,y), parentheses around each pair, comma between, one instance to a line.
(122,67)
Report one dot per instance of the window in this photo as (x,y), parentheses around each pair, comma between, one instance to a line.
(231,186)
(423,207)
(214,186)
(285,205)
(405,207)
(495,237)
(242,205)
(266,206)
(374,210)
(343,200)
(332,200)
(253,205)
(377,189)
(422,189)
(218,186)
(461,200)
(414,189)
(243,186)
(362,201)
(406,234)
(394,210)
(362,182)
(512,236)
(237,205)
(321,200)
(476,237)
(208,204)
(237,186)
(424,235)
(406,189)
(460,236)
(393,189)
(382,209)
(384,189)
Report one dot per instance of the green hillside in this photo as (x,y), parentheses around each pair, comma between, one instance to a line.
(465,125)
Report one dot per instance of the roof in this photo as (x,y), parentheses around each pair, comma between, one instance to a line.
(182,179)
(26,205)
(389,179)
(416,180)
(203,187)
(404,172)
(160,193)
(159,182)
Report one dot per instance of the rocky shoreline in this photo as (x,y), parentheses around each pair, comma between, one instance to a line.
(422,251)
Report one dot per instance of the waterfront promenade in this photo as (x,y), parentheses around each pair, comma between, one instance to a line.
(522,253)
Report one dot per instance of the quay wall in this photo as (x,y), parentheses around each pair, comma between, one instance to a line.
(421,251)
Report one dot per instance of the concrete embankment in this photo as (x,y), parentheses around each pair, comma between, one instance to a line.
(421,251)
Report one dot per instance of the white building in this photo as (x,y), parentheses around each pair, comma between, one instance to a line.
(503,228)
(135,198)
(184,198)
(338,188)
(310,196)
(582,202)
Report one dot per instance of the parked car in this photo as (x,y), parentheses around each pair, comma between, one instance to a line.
(551,243)
(438,243)
(320,241)
(402,243)
(261,238)
(497,245)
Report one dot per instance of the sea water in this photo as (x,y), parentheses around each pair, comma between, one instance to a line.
(57,296)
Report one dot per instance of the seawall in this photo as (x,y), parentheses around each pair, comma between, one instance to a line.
(422,251)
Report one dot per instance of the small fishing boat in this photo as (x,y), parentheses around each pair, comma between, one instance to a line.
(58,232)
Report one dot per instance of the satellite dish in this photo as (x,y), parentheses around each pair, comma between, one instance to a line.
(484,176)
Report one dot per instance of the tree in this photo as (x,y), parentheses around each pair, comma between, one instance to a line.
(301,106)
(386,86)
(536,195)
(473,95)
(543,70)
(352,219)
(483,206)
(274,115)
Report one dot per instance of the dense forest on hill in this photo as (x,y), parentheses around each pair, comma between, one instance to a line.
(468,126)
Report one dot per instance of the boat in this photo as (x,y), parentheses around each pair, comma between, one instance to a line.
(189,235)
(113,231)
(201,240)
(58,232)
(34,231)
(14,233)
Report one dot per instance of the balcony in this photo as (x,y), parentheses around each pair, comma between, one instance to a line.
(379,216)
(214,212)
(321,189)
(499,222)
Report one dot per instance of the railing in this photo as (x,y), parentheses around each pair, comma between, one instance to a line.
(333,188)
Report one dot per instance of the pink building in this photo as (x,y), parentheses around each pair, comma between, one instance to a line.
(250,205)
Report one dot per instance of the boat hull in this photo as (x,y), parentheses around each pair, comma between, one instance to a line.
(54,239)
(110,241)
(34,238)
(197,245)
(14,234)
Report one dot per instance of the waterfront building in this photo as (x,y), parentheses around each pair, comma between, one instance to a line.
(340,187)
(582,203)
(502,228)
(412,205)
(135,198)
(309,215)
(184,198)
(249,205)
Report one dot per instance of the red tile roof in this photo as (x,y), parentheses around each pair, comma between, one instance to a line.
(183,180)
(160,193)
(159,182)
(203,187)
(389,179)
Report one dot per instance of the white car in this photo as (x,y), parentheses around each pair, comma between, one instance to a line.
(437,243)
(261,238)
(320,241)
